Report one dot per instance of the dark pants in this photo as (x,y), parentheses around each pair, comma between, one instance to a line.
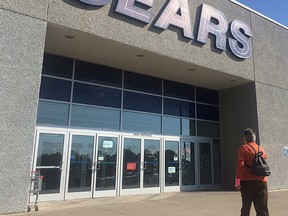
(256,192)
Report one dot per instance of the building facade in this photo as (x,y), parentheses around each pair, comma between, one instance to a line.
(109,98)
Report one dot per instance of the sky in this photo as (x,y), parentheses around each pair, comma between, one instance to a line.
(274,9)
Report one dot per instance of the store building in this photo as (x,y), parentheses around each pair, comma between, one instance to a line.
(109,98)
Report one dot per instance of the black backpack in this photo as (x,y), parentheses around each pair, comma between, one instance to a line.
(259,166)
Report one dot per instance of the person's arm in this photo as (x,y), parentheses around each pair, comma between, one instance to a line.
(240,168)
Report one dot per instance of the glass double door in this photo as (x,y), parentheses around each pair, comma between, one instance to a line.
(196,165)
(76,165)
(92,166)
(83,164)
(140,170)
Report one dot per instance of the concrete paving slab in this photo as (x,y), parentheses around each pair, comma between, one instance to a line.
(220,203)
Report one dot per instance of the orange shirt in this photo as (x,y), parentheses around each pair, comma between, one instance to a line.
(246,154)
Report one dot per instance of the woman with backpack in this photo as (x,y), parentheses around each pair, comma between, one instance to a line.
(253,187)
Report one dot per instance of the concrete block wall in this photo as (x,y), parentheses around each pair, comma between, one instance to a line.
(22,41)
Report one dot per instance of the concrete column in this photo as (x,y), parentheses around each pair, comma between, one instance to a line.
(22,40)
(238,110)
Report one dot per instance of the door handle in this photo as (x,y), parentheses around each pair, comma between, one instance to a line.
(183,165)
(97,166)
(60,166)
(142,166)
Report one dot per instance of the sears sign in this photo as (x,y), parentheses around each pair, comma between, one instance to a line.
(176,13)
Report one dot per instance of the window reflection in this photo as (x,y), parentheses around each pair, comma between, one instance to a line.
(171,125)
(208,129)
(96,95)
(103,88)
(171,163)
(179,108)
(141,122)
(142,83)
(207,96)
(207,112)
(106,163)
(81,157)
(179,90)
(99,74)
(131,163)
(188,127)
(52,113)
(57,66)
(55,89)
(92,117)
(142,102)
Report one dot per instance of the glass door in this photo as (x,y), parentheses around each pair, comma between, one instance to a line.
(140,165)
(50,154)
(171,161)
(151,165)
(105,166)
(91,167)
(205,165)
(80,166)
(188,165)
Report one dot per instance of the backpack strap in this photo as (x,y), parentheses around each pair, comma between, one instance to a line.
(255,154)
(253,148)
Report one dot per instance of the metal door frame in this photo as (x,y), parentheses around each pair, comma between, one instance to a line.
(205,186)
(86,194)
(116,190)
(196,165)
(141,189)
(165,188)
(62,166)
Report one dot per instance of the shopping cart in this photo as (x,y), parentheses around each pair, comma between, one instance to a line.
(35,188)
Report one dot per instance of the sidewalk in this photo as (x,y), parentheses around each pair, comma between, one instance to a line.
(218,203)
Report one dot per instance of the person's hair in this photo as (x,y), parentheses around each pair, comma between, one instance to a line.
(249,135)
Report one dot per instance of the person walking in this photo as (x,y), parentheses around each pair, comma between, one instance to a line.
(253,188)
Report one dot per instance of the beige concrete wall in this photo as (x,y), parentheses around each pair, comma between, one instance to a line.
(22,45)
(272,106)
(238,111)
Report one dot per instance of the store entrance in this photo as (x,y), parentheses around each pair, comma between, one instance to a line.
(140,165)
(87,164)
(196,164)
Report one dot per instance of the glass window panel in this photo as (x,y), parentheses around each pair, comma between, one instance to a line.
(151,163)
(141,122)
(55,89)
(207,96)
(171,163)
(179,108)
(188,127)
(91,117)
(50,113)
(171,126)
(57,66)
(143,83)
(217,161)
(207,112)
(96,95)
(178,90)
(106,163)
(49,158)
(208,129)
(99,74)
(188,163)
(81,158)
(131,163)
(142,102)
(205,163)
